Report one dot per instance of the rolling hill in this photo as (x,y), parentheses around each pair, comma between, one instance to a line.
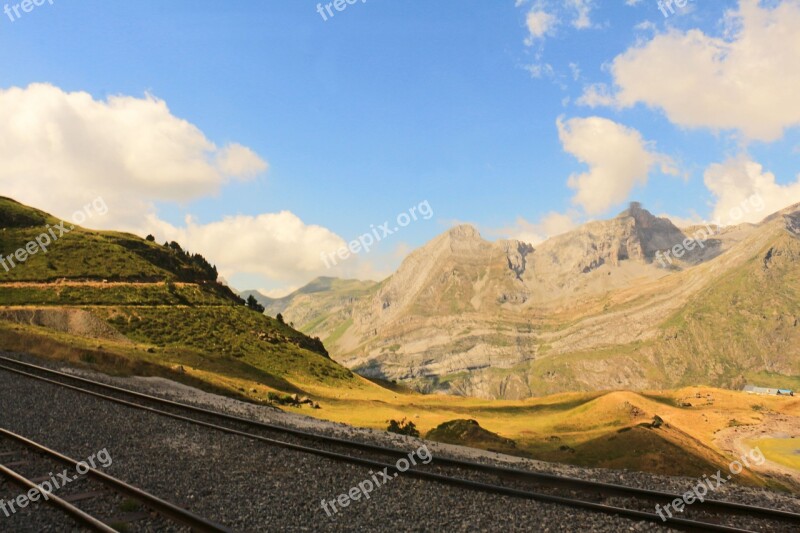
(121,302)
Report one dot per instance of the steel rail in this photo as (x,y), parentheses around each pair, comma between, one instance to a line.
(80,516)
(552,479)
(173,512)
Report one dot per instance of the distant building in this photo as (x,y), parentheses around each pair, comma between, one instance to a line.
(752,389)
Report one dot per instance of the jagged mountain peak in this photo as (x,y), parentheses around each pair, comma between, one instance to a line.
(643,219)
(464,232)
(635,234)
(636,210)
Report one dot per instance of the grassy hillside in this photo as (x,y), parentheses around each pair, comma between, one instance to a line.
(165,301)
(85,254)
(749,318)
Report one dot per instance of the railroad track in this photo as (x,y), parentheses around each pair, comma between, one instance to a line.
(47,477)
(629,502)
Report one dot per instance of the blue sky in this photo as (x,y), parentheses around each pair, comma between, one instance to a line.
(388,104)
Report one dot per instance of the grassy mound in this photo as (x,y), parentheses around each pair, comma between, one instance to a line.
(470,433)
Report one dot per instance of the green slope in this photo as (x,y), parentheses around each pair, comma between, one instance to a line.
(86,254)
(166,301)
(749,319)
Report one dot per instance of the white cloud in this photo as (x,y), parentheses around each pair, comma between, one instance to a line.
(683,222)
(618,158)
(279,247)
(576,71)
(274,245)
(61,150)
(549,225)
(596,94)
(646,25)
(238,160)
(745,81)
(539,24)
(540,70)
(583,9)
(545,15)
(737,180)
(279,293)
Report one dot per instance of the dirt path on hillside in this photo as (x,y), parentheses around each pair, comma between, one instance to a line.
(732,440)
(87,283)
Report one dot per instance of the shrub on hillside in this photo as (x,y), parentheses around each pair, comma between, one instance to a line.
(253,304)
(403,427)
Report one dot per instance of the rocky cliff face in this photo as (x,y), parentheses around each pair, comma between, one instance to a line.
(503,319)
(635,235)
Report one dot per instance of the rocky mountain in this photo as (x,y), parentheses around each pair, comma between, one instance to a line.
(633,302)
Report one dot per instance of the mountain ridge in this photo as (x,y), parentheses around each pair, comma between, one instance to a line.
(468,316)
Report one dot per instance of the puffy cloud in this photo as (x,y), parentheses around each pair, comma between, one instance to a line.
(62,150)
(539,23)
(745,192)
(583,9)
(745,81)
(618,159)
(549,225)
(277,246)
(238,160)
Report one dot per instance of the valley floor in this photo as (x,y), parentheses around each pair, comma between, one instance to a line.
(783,459)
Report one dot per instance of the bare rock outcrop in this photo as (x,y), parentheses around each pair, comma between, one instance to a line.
(72,321)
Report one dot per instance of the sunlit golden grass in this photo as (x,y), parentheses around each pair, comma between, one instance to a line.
(782,451)
(605,429)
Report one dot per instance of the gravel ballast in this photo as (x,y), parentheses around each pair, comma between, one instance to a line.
(251,486)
